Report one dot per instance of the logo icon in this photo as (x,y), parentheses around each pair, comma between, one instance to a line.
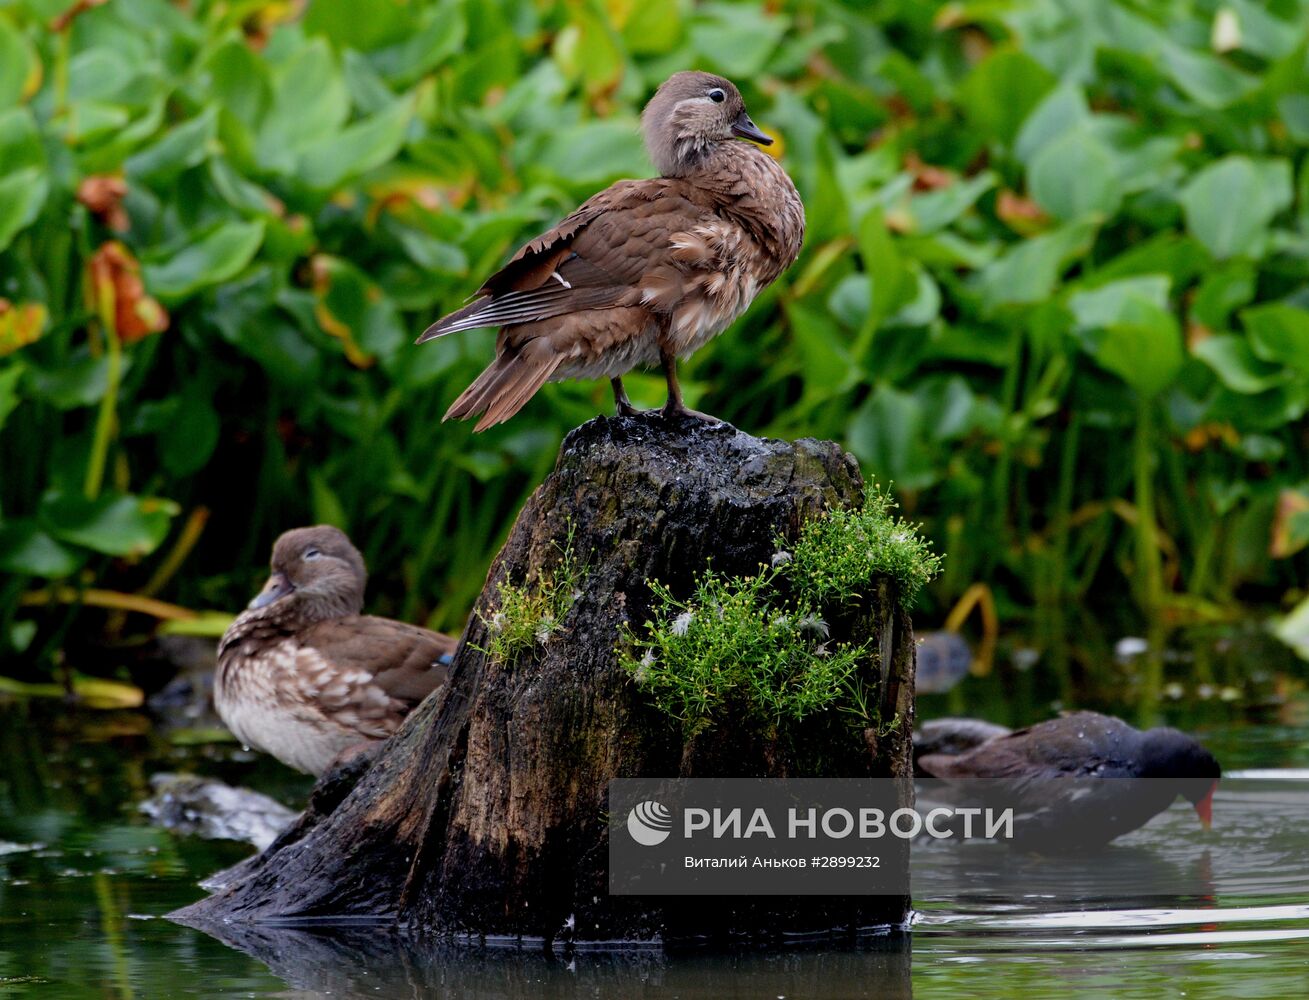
(649,823)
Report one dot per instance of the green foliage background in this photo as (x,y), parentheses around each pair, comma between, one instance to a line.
(1055,286)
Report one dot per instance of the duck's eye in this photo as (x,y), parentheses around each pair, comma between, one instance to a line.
(311,554)
(717,96)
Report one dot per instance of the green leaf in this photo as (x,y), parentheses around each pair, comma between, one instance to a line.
(442,36)
(246,197)
(653,27)
(1293,629)
(1223,289)
(892,284)
(181,147)
(26,550)
(887,434)
(1229,204)
(324,504)
(21,635)
(1279,334)
(1075,175)
(309,103)
(354,309)
(430,253)
(22,193)
(9,397)
(587,50)
(238,81)
(188,440)
(935,210)
(79,381)
(1205,78)
(387,22)
(1001,92)
(1293,109)
(595,152)
(1169,253)
(1062,111)
(20,140)
(825,356)
(15,64)
(115,524)
(100,73)
(1236,366)
(1145,350)
(216,257)
(1119,301)
(354,150)
(736,38)
(1029,270)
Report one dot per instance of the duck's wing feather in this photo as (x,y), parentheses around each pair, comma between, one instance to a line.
(403,661)
(596,258)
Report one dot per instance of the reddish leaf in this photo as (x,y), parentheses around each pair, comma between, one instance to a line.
(103,196)
(119,297)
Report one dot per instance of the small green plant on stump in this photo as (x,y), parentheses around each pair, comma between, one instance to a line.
(529,615)
(763,642)
(734,638)
(839,554)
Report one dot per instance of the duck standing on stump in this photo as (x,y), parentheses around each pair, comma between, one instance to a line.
(646,271)
(1060,777)
(302,675)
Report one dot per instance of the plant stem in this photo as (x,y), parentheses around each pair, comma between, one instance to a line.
(1063,510)
(104,423)
(1000,483)
(1148,564)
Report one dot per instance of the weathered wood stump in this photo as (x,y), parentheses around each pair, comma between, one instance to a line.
(486,813)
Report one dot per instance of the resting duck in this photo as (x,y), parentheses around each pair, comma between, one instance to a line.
(646,271)
(302,675)
(1059,775)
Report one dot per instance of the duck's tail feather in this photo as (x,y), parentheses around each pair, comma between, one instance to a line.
(504,388)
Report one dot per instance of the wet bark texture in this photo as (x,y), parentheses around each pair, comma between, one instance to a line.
(486,813)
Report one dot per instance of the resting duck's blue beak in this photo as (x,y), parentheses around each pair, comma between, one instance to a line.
(277,587)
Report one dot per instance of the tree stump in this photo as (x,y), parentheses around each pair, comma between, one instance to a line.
(486,813)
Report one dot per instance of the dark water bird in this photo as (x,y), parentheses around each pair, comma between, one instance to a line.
(646,271)
(952,736)
(304,676)
(1079,781)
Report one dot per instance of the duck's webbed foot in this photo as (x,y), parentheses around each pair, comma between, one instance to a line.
(675,408)
(622,405)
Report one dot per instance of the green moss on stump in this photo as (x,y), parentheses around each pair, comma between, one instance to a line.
(762,642)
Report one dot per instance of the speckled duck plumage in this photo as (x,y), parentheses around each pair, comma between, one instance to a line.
(303,675)
(646,271)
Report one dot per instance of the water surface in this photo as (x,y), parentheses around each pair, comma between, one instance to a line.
(84,883)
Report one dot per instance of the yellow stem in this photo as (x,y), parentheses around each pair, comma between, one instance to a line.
(191,531)
(96,598)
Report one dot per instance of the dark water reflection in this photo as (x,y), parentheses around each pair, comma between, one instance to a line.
(368,962)
(84,883)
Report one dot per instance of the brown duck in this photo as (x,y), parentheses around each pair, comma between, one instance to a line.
(646,271)
(302,675)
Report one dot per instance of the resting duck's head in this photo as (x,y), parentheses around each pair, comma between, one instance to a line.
(1168,753)
(688,114)
(316,574)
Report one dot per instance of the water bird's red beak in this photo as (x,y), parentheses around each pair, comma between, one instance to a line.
(1205,807)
